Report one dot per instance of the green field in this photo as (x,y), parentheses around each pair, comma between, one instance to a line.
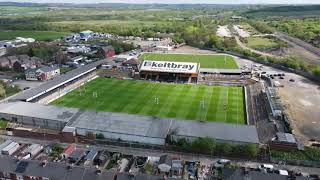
(194,102)
(261,43)
(206,61)
(38,35)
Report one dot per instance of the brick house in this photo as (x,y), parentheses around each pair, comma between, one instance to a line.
(107,51)
(43,73)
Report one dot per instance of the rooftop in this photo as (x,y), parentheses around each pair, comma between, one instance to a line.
(38,111)
(51,170)
(48,68)
(219,131)
(138,125)
(122,123)
(286,137)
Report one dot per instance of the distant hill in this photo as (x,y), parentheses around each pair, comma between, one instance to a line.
(122,5)
(286,11)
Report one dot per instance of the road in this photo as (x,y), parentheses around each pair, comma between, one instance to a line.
(301,48)
(156,153)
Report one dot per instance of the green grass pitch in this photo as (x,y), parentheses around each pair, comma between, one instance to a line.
(206,61)
(192,102)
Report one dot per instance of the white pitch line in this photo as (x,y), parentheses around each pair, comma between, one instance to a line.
(225,114)
(205,115)
(237,106)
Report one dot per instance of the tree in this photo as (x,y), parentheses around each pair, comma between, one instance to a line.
(60,57)
(251,149)
(316,71)
(100,136)
(183,143)
(2,91)
(229,43)
(224,148)
(203,145)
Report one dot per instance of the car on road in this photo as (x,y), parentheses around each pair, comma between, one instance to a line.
(222,163)
(292,80)
(266,166)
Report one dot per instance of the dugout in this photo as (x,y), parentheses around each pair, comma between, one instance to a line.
(169,71)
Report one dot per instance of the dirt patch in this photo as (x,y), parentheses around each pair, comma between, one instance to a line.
(302,100)
(189,49)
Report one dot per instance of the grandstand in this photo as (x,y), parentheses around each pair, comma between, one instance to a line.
(59,82)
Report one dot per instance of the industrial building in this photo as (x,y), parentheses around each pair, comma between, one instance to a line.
(124,127)
(221,132)
(37,115)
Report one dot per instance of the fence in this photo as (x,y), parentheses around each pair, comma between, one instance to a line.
(295,162)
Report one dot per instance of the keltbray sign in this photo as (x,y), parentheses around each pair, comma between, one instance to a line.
(169,66)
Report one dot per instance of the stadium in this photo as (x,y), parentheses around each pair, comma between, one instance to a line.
(180,90)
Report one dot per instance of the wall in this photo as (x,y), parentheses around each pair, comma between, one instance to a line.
(36,122)
(123,137)
(176,137)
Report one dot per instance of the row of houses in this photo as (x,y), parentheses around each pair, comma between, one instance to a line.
(31,66)
(12,168)
(18,42)
(19,62)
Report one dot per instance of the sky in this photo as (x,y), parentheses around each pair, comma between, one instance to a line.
(176,1)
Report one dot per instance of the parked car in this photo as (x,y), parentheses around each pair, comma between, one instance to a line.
(222,163)
(266,166)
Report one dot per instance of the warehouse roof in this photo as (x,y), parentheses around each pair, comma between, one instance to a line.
(286,137)
(58,81)
(138,125)
(38,111)
(219,131)
(122,123)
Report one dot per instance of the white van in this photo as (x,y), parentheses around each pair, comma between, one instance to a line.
(266,166)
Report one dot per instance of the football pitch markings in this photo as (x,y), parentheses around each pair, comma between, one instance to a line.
(182,101)
(206,61)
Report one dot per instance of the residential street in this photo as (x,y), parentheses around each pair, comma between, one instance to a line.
(187,157)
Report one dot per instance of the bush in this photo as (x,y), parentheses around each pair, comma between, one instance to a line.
(316,71)
(100,136)
(209,146)
(56,150)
